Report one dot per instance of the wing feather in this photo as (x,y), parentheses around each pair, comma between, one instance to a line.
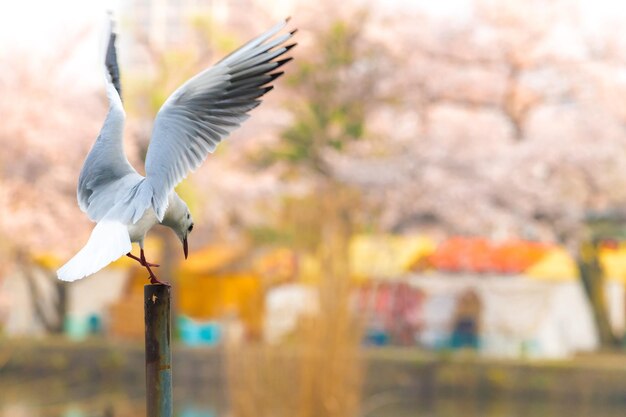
(207,108)
(106,166)
(109,240)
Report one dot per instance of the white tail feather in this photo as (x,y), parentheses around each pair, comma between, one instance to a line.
(109,240)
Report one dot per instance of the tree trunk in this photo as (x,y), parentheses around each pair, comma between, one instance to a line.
(592,278)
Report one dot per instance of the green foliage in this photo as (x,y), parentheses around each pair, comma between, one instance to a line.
(331,91)
(211,33)
(172,67)
(298,224)
(188,192)
(265,235)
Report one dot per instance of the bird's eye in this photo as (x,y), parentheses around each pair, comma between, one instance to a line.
(190,228)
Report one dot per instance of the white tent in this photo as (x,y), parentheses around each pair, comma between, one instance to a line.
(520,316)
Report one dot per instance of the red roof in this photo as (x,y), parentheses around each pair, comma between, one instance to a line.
(465,254)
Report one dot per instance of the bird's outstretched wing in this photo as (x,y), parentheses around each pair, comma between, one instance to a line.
(106,163)
(207,108)
(105,174)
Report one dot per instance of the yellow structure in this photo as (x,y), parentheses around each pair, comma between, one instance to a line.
(614,263)
(387,256)
(557,265)
(223,295)
(220,281)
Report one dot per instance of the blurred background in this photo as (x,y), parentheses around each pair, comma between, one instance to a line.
(426,217)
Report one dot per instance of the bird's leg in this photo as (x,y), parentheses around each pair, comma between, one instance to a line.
(131,256)
(143,260)
(154,279)
(147,265)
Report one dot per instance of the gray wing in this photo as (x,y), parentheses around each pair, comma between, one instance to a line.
(204,110)
(106,166)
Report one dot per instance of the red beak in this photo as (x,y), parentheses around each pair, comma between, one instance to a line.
(185,247)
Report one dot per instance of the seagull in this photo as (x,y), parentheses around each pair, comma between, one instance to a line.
(193,120)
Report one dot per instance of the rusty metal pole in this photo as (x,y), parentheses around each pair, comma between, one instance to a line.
(158,354)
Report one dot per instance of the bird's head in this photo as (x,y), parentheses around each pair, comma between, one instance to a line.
(178,218)
(183,230)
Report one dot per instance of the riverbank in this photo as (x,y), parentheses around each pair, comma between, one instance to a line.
(50,367)
(599,378)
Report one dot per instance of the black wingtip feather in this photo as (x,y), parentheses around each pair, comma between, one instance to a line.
(110,62)
(282,62)
(275,75)
(293,31)
(288,47)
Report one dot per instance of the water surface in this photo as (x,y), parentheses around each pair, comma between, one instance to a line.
(131,404)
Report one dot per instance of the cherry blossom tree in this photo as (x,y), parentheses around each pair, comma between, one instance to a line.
(510,123)
(48,127)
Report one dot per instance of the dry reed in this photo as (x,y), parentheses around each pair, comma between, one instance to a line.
(317,372)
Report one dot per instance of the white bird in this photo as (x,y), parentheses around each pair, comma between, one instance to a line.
(189,126)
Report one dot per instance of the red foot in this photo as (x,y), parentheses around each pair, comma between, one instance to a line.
(148,265)
(155,280)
